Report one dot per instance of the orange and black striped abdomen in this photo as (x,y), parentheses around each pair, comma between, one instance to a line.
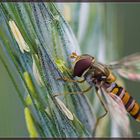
(130,104)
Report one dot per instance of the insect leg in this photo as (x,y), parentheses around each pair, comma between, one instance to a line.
(79,92)
(70,80)
(86,90)
(102,116)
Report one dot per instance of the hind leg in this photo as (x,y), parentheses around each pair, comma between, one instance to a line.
(102,116)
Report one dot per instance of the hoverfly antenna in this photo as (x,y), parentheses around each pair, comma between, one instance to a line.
(73,55)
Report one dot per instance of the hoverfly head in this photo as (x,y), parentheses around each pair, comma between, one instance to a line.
(81,63)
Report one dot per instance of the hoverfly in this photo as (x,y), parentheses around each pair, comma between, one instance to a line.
(100,76)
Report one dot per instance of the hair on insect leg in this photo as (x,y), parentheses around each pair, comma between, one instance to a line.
(103,115)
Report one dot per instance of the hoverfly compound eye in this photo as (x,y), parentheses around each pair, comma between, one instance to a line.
(82,64)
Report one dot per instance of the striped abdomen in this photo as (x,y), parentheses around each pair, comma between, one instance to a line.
(130,104)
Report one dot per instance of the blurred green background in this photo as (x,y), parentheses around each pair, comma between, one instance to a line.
(127,24)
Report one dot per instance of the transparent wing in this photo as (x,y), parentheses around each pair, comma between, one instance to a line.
(128,67)
(117,113)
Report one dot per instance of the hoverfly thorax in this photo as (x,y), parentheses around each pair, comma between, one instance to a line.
(81,63)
